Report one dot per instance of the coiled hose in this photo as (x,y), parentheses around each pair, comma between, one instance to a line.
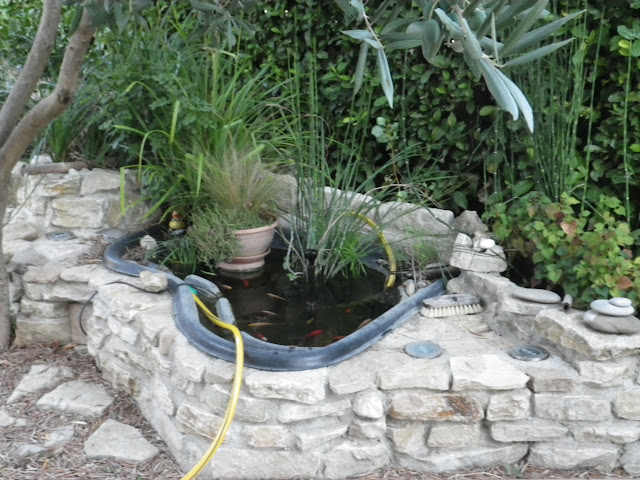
(233,399)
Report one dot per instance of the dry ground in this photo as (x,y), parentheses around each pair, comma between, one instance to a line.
(69,462)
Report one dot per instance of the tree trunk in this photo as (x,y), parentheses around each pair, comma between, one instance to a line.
(5,318)
(18,130)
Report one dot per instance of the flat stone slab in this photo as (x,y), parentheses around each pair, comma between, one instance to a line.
(119,441)
(38,379)
(87,399)
(569,331)
(479,372)
(6,420)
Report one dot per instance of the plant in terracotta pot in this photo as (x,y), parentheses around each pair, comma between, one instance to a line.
(234,227)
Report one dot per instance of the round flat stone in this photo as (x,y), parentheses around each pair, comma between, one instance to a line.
(620,302)
(627,325)
(537,295)
(607,308)
(423,349)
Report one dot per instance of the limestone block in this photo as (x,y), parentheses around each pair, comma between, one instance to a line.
(369,405)
(447,460)
(291,412)
(154,282)
(416,373)
(20,230)
(128,354)
(410,439)
(192,417)
(511,305)
(39,379)
(48,273)
(70,252)
(118,373)
(551,380)
(78,323)
(260,464)
(193,389)
(453,435)
(81,273)
(152,322)
(124,302)
(359,373)
(488,286)
(485,372)
(58,292)
(248,410)
(355,458)
(116,440)
(466,258)
(161,362)
(605,374)
(161,422)
(219,371)
(163,396)
(364,428)
(53,184)
(266,436)
(469,222)
(190,362)
(627,405)
(528,431)
(571,455)
(569,331)
(99,180)
(618,432)
(630,459)
(70,212)
(167,337)
(21,252)
(32,329)
(129,335)
(44,309)
(509,405)
(314,437)
(435,407)
(571,407)
(307,386)
(87,399)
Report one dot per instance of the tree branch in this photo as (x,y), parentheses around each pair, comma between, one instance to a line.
(30,74)
(53,105)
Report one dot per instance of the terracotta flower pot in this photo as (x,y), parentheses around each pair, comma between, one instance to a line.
(254,246)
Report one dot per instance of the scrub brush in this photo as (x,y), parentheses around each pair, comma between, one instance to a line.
(447,305)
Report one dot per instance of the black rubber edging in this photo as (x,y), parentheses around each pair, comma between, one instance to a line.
(257,353)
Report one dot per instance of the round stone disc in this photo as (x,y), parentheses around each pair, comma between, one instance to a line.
(529,353)
(423,349)
(537,295)
(607,308)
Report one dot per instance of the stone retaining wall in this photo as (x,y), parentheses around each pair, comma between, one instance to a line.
(474,406)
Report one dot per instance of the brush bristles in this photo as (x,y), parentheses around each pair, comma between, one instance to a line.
(448,305)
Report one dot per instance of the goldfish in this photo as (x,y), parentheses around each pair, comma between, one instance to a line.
(260,324)
(277,297)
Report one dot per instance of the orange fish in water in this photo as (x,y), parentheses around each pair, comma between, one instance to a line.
(348,310)
(261,337)
(339,337)
(269,312)
(315,333)
(277,297)
(364,323)
(260,324)
(245,283)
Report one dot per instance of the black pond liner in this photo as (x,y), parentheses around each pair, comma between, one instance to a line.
(257,353)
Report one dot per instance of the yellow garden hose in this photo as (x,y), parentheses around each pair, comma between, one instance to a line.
(235,392)
(387,248)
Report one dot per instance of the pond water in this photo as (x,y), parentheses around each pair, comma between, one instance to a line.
(271,307)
